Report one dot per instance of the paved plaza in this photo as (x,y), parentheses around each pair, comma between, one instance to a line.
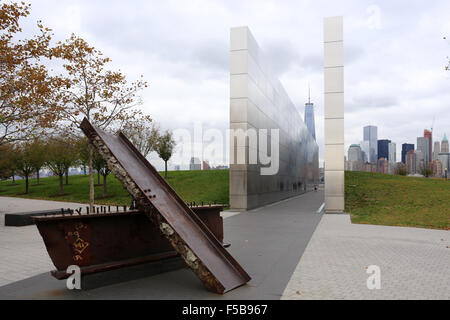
(22,251)
(268,242)
(414,262)
(289,250)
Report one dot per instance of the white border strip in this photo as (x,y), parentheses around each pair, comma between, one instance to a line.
(320,208)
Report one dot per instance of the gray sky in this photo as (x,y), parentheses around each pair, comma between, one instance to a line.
(394,51)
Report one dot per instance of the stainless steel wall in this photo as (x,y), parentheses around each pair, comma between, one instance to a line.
(259,101)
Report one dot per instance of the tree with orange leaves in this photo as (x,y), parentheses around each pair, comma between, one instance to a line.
(104,97)
(25,85)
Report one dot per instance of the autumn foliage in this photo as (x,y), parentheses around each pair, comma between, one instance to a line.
(25,85)
(104,97)
(41,110)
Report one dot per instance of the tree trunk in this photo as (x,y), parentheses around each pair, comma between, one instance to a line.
(91,180)
(61,184)
(84,169)
(14,179)
(98,178)
(165,170)
(26,184)
(104,185)
(67,176)
(37,176)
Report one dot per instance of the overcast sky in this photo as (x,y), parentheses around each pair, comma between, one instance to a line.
(394,57)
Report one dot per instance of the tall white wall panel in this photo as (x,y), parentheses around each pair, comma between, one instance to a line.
(334,113)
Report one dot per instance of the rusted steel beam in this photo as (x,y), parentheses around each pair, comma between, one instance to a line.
(115,239)
(188,235)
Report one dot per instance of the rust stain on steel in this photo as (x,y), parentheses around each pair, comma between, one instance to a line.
(188,235)
(76,238)
(116,239)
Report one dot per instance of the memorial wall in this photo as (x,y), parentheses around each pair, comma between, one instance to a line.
(334,113)
(272,154)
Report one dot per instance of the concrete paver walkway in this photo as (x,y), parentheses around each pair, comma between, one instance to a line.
(268,242)
(22,251)
(11,205)
(414,262)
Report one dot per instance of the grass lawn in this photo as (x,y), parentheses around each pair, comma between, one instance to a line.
(207,186)
(375,198)
(370,198)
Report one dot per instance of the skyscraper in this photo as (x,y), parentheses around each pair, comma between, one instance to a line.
(444,144)
(427,134)
(206,165)
(371,135)
(195,164)
(309,117)
(365,151)
(383,148)
(354,153)
(436,167)
(382,165)
(420,160)
(411,161)
(355,160)
(437,149)
(405,148)
(444,158)
(423,146)
(392,153)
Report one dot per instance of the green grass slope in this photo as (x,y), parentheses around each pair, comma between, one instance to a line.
(394,200)
(207,186)
(370,198)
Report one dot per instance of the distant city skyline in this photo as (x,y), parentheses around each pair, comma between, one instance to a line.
(383,85)
(435,158)
(429,153)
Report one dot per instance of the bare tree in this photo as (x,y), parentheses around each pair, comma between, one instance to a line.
(60,155)
(102,169)
(24,162)
(82,150)
(426,171)
(97,164)
(7,161)
(400,169)
(143,133)
(37,155)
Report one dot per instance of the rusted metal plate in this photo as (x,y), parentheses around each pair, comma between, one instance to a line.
(99,239)
(189,236)
(110,240)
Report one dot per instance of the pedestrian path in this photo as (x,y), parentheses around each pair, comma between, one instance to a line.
(268,242)
(276,244)
(22,251)
(414,262)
